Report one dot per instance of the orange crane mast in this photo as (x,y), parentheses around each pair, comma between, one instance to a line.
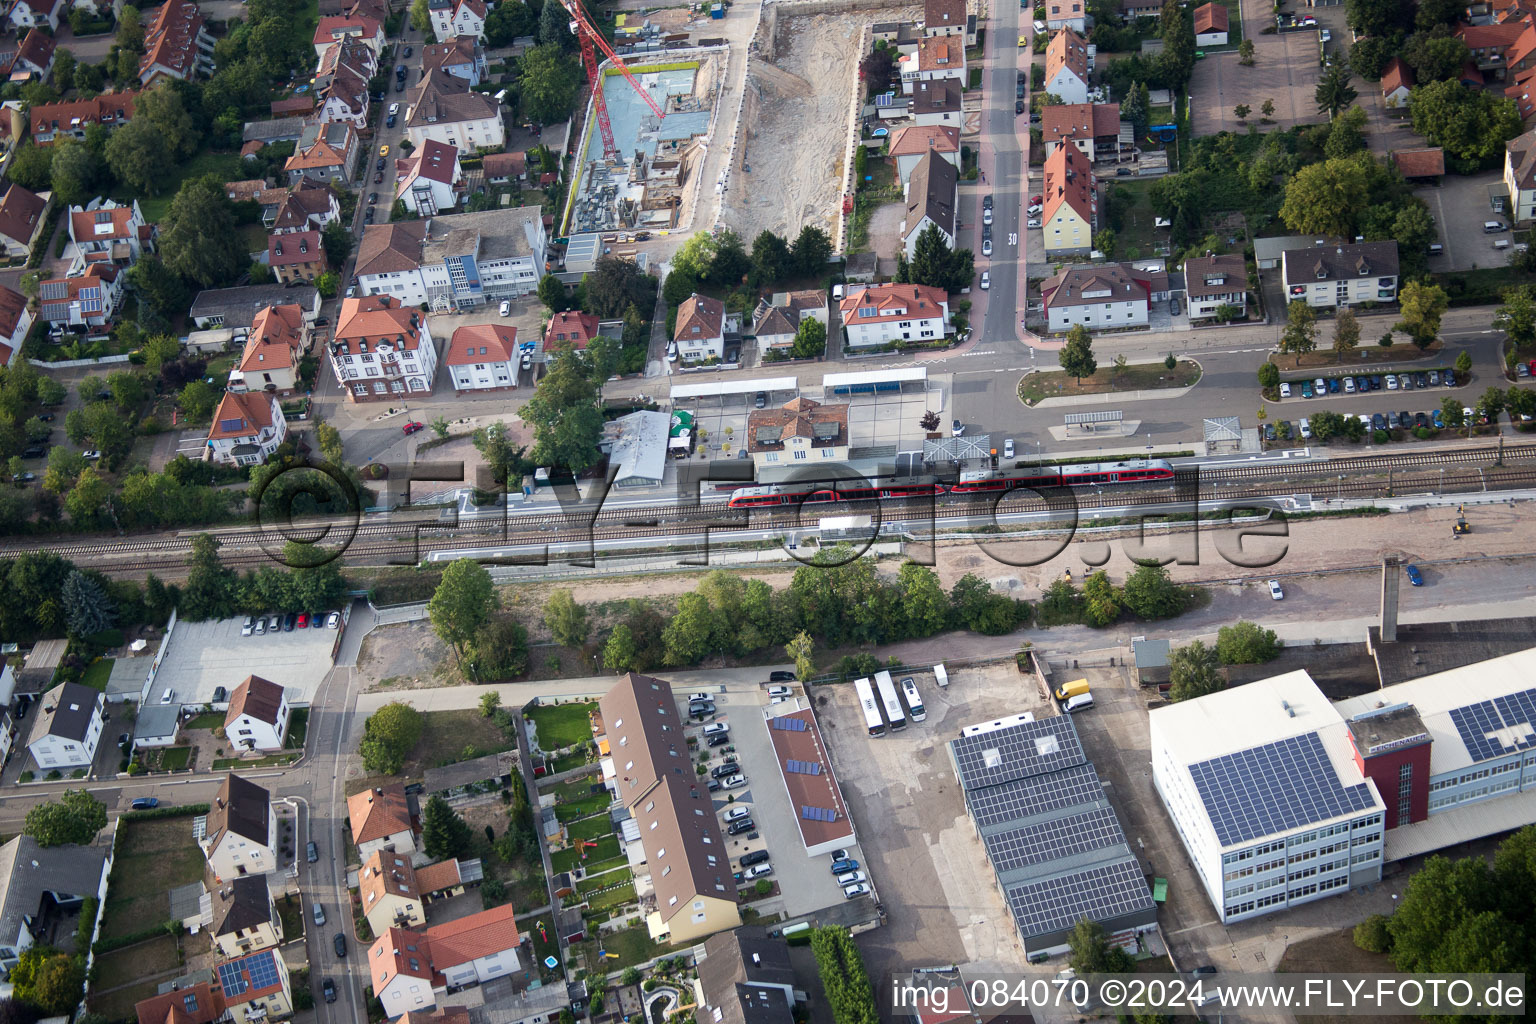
(592,40)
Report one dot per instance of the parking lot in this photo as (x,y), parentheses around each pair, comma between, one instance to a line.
(205,655)
(805,883)
(1463,202)
(1286,69)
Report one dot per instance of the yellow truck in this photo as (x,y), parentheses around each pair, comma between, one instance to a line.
(1069,690)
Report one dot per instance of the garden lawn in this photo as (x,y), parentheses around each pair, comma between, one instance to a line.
(298,728)
(632,946)
(590,828)
(291,912)
(145,960)
(225,165)
(212,720)
(1130,203)
(616,898)
(448,737)
(562,725)
(222,764)
(607,849)
(97,675)
(153,857)
(590,884)
(568,762)
(118,1006)
(174,759)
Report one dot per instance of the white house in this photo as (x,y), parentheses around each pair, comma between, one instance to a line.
(428,181)
(381,819)
(341,83)
(1341,275)
(457,18)
(37,13)
(932,191)
(937,58)
(483,357)
(443,107)
(335,27)
(91,299)
(462,56)
(700,332)
(418,261)
(382,350)
(1065,14)
(885,313)
(910,144)
(68,727)
(272,351)
(37,883)
(22,215)
(240,831)
(1211,22)
(1066,67)
(106,231)
(944,17)
(247,428)
(1215,281)
(1520,176)
(15,322)
(177,44)
(1096,296)
(257,718)
(409,970)
(1396,84)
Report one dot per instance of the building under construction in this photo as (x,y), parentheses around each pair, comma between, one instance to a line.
(652,183)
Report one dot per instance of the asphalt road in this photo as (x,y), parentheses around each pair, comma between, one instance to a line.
(1003,162)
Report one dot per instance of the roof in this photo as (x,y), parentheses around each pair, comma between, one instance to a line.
(774,320)
(107,222)
(931,193)
(1521,152)
(240,306)
(1396,75)
(939,53)
(28,871)
(825,425)
(938,13)
(1210,18)
(437,1015)
(108,107)
(456,51)
(1069,182)
(154,722)
(380,319)
(1052,838)
(885,302)
(1492,36)
(1420,163)
(293,105)
(1090,285)
(1079,121)
(295,249)
(699,316)
(1215,275)
(238,903)
(275,129)
(655,780)
(305,203)
(1340,262)
(67,712)
(482,343)
(170,38)
(241,807)
(390,248)
(202,1003)
(322,145)
(12,305)
(501,234)
(470,938)
(917,139)
(510,165)
(252,977)
(637,444)
(441,97)
(36,49)
(740,974)
(338,26)
(442,875)
(935,96)
(433,160)
(571,327)
(1066,50)
(379,813)
(386,873)
(805,764)
(464,773)
(260,698)
(20,211)
(401,951)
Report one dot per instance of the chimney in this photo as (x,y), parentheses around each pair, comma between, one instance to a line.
(1389,583)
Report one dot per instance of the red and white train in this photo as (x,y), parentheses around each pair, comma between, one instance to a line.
(1132,471)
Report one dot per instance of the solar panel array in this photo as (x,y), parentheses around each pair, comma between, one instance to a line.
(1274,788)
(1021,751)
(788,724)
(1513,716)
(260,968)
(802,767)
(1099,894)
(811,813)
(1024,798)
(52,290)
(1054,839)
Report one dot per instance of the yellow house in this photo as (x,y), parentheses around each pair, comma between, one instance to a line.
(244,919)
(395,894)
(1071,204)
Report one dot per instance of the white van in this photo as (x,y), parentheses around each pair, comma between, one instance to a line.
(1492,227)
(1305,428)
(941,676)
(1081,702)
(1502,243)
(716,728)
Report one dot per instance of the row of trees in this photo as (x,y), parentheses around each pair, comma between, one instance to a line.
(843,977)
(36,593)
(214,591)
(1148,593)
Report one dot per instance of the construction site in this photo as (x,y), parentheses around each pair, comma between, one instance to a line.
(652,184)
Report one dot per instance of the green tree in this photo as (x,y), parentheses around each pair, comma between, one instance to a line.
(74,171)
(328,284)
(444,834)
(1245,53)
(810,339)
(731,262)
(615,284)
(1241,111)
(499,649)
(922,599)
(210,589)
(1269,375)
(1463,363)
(1372,934)
(1326,198)
(462,603)
(198,238)
(552,293)
(555,27)
(1076,357)
(1346,334)
(935,264)
(771,260)
(1491,404)
(1517,317)
(197,400)
(1101,602)
(1300,334)
(1334,93)
(1246,643)
(565,415)
(550,82)
(1150,594)
(50,980)
(88,608)
(1193,671)
(421,16)
(75,818)
(1469,124)
(566,619)
(507,21)
(1347,136)
(1434,57)
(811,251)
(1422,304)
(1093,953)
(87,500)
(620,650)
(389,735)
(800,650)
(130,30)
(843,977)
(337,240)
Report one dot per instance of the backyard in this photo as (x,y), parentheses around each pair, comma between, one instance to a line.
(153,857)
(126,976)
(604,854)
(562,725)
(97,675)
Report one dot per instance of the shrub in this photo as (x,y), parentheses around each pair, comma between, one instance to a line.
(1372,934)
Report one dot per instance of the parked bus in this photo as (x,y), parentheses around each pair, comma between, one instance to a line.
(872,717)
(893,712)
(914,702)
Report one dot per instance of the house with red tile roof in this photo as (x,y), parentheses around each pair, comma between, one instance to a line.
(483,357)
(394,892)
(34,57)
(410,970)
(1211,24)
(296,257)
(104,231)
(500,168)
(51,120)
(937,58)
(885,313)
(1096,295)
(461,56)
(15,322)
(1488,44)
(325,152)
(457,18)
(91,299)
(1093,128)
(1071,207)
(932,195)
(257,718)
(575,329)
(256,987)
(176,44)
(22,214)
(944,17)
(37,13)
(1425,162)
(200,1003)
(382,351)
(1066,67)
(334,28)
(307,206)
(910,144)
(270,359)
(430,180)
(700,332)
(1065,14)
(293,105)
(341,83)
(382,819)
(801,429)
(247,428)
(1396,84)
(1523,92)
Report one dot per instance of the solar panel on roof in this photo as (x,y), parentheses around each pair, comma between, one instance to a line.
(1099,894)
(803,767)
(1494,728)
(817,813)
(52,289)
(1051,840)
(1274,788)
(1022,798)
(230,425)
(1017,752)
(788,724)
(232,979)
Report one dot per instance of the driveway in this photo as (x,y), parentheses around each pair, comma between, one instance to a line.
(1463,202)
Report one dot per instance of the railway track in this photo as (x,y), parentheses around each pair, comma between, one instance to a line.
(401,540)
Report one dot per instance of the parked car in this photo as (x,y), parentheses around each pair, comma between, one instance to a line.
(319,912)
(340,942)
(1421,419)
(713,785)
(1349,385)
(303,622)
(986,247)
(145,803)
(716,729)
(718,740)
(779,691)
(1306,389)
(378,179)
(312,851)
(958,429)
(781,677)
(736,828)
(1018,107)
(758,871)
(1333,385)
(1285,390)
(1391,382)
(852,878)
(721,771)
(853,892)
(734,782)
(701,707)
(288,621)
(261,625)
(986,280)
(843,865)
(247,626)
(737,813)
(755,857)
(1414,576)
(1437,419)
(90,455)
(333,620)
(1275,593)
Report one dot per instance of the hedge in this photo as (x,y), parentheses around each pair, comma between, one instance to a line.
(180,811)
(143,935)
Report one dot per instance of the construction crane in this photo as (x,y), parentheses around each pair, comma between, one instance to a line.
(589,37)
